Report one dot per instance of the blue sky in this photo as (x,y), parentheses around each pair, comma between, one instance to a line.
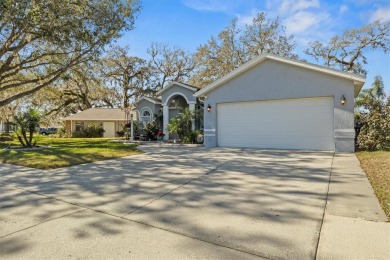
(190,23)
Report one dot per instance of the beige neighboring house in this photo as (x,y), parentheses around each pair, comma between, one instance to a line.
(110,119)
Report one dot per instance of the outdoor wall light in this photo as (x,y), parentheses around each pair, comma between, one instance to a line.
(343,100)
(208,108)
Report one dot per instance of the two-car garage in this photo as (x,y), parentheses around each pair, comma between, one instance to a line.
(305,123)
(279,103)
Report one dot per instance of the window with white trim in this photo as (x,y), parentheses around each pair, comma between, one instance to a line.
(146,117)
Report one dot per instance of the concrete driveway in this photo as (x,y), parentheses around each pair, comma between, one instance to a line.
(170,202)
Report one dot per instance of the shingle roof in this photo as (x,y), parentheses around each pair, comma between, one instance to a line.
(100,114)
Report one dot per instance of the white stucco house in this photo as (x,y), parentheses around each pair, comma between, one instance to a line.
(274,102)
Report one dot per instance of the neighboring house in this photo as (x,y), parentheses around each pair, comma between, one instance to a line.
(3,126)
(110,119)
(171,101)
(274,102)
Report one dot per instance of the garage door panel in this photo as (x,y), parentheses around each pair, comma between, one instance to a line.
(281,124)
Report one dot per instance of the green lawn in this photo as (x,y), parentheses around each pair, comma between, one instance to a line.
(66,152)
(376,165)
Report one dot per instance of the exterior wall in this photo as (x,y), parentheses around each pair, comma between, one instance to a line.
(144,104)
(68,129)
(173,112)
(174,90)
(275,80)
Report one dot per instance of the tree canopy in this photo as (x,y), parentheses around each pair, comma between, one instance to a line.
(170,64)
(348,51)
(235,46)
(40,40)
(128,74)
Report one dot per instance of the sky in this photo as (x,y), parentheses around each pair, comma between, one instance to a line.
(190,23)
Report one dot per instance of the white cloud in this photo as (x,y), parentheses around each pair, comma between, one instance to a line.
(343,9)
(303,22)
(246,19)
(224,6)
(288,6)
(381,13)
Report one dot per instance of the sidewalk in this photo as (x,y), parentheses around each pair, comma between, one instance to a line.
(354,224)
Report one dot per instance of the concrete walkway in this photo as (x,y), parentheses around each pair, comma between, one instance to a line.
(192,202)
(354,225)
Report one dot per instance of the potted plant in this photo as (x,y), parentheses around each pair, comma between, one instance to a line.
(160,136)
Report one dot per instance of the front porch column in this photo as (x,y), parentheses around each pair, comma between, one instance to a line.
(191,107)
(165,121)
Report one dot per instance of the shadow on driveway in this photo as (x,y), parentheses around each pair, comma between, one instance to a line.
(265,202)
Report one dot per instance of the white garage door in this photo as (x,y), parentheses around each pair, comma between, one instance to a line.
(305,123)
(109,129)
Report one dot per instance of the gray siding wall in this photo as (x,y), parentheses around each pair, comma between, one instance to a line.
(146,104)
(188,94)
(275,80)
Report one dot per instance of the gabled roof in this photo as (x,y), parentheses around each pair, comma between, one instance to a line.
(100,114)
(151,100)
(174,83)
(357,80)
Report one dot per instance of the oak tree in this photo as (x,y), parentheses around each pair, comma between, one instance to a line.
(129,75)
(170,64)
(347,52)
(235,46)
(42,39)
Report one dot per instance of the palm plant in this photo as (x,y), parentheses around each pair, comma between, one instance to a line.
(26,123)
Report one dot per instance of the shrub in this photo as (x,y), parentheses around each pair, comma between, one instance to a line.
(375,120)
(191,136)
(374,117)
(151,130)
(182,125)
(61,133)
(92,131)
(120,133)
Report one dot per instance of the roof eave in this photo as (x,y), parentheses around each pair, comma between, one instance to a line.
(148,99)
(358,85)
(161,91)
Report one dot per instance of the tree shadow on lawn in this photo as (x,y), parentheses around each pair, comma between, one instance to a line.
(62,156)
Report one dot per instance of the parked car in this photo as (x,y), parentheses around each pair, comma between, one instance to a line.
(48,131)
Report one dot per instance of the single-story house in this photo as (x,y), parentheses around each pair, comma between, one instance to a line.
(275,102)
(110,119)
(269,102)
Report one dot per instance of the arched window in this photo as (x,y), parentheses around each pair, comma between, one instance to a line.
(146,117)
